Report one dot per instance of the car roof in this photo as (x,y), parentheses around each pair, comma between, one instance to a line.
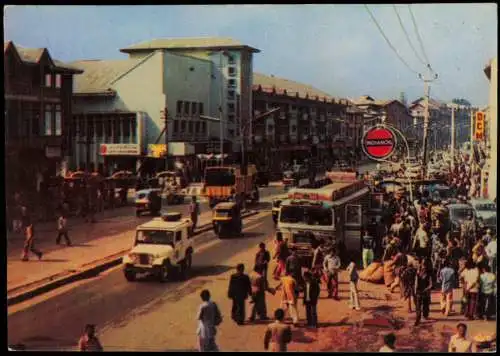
(159,223)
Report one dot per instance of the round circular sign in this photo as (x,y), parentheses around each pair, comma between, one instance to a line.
(379,143)
(104,149)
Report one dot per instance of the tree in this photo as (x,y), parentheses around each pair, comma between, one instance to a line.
(461,101)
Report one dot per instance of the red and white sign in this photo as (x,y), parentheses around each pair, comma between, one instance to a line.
(119,149)
(379,143)
(341,176)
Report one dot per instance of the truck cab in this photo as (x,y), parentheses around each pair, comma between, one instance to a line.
(163,247)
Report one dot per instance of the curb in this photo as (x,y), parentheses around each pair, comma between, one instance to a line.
(96,267)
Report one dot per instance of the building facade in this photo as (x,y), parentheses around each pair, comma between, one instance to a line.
(439,122)
(38,110)
(491,71)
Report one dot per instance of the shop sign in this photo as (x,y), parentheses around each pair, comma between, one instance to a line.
(379,143)
(52,151)
(341,176)
(479,126)
(119,149)
(157,150)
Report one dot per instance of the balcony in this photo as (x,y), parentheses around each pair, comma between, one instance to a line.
(51,92)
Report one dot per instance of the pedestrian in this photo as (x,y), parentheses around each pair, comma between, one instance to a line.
(262,258)
(423,287)
(29,233)
(331,266)
(353,285)
(408,273)
(294,268)
(421,242)
(447,279)
(468,232)
(278,334)
(289,296)
(209,317)
(459,342)
(194,211)
(479,253)
(491,252)
(88,341)
(389,341)
(486,305)
(259,287)
(240,289)
(318,257)
(281,254)
(487,237)
(62,229)
(368,246)
(311,295)
(470,277)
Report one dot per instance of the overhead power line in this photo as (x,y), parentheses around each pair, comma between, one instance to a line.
(407,36)
(419,38)
(389,42)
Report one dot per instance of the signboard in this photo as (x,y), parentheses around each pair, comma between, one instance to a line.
(52,151)
(379,143)
(157,150)
(479,132)
(341,176)
(119,149)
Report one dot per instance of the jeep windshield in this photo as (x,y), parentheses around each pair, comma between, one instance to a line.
(155,237)
(219,177)
(306,215)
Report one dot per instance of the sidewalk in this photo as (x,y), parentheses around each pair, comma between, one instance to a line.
(67,259)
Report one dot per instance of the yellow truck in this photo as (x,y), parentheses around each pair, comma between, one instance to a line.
(224,183)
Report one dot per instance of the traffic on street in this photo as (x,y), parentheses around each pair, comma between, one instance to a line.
(174,200)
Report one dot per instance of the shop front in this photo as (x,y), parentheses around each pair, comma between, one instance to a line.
(119,157)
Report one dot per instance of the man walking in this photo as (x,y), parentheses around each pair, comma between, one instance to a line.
(259,288)
(294,268)
(331,266)
(62,229)
(423,287)
(239,290)
(262,258)
(278,334)
(280,255)
(367,254)
(311,295)
(209,317)
(447,279)
(353,285)
(421,242)
(468,233)
(486,305)
(289,296)
(194,211)
(491,252)
(29,233)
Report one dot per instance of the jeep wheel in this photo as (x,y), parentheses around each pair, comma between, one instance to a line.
(129,276)
(165,272)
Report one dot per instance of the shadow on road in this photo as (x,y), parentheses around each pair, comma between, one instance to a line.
(300,337)
(210,271)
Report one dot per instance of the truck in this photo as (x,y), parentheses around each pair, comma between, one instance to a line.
(223,183)
(335,213)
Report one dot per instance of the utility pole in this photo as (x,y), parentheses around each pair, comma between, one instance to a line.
(220,111)
(453,137)
(166,136)
(472,129)
(426,114)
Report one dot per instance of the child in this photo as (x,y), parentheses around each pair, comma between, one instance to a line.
(353,285)
(62,229)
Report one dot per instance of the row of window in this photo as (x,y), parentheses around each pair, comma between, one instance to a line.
(108,128)
(52,120)
(191,126)
(53,81)
(186,108)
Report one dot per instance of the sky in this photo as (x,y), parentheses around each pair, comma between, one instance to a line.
(335,48)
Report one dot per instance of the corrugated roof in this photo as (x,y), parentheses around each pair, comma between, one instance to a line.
(99,74)
(291,87)
(185,43)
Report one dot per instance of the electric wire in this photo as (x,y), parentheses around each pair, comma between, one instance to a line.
(419,38)
(407,36)
(389,42)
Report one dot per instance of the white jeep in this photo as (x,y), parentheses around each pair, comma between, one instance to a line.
(163,247)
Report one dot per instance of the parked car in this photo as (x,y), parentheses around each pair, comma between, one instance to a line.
(486,212)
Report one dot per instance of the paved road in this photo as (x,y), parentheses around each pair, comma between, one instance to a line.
(111,301)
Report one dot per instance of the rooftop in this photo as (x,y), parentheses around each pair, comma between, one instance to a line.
(188,43)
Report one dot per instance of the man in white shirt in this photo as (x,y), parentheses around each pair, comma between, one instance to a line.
(459,342)
(491,252)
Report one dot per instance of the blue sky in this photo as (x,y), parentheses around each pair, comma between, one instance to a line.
(336,48)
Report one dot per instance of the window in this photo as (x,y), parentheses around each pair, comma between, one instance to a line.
(190,127)
(232,71)
(178,236)
(179,108)
(230,94)
(204,127)
(176,126)
(230,118)
(231,59)
(35,124)
(48,80)
(99,129)
(194,107)
(197,127)
(293,108)
(58,80)
(108,129)
(133,127)
(231,133)
(353,214)
(294,128)
(90,127)
(58,121)
(186,108)
(200,108)
(48,120)
(117,130)
(126,128)
(232,83)
(230,107)
(183,126)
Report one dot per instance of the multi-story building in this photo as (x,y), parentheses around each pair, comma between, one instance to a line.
(439,121)
(306,124)
(491,71)
(38,108)
(196,80)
